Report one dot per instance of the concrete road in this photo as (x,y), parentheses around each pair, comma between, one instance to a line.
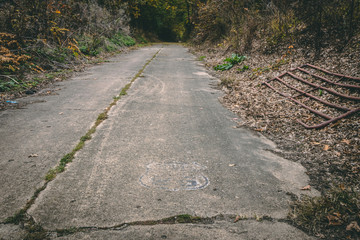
(167,150)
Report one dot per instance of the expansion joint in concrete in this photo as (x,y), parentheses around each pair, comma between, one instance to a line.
(174,220)
(21,217)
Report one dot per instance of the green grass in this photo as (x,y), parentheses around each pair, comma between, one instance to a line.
(101,117)
(122,40)
(186,218)
(244,68)
(201,58)
(124,90)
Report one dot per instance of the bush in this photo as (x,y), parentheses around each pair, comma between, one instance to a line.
(122,40)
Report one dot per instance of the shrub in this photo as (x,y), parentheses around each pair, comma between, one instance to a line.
(230,62)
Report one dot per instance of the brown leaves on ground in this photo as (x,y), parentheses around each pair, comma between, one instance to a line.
(334,212)
(308,187)
(238,218)
(335,219)
(326,148)
(353,226)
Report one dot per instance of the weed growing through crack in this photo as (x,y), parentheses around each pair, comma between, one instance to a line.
(67,231)
(16,219)
(102,117)
(35,232)
(186,218)
(124,90)
(181,219)
(20,215)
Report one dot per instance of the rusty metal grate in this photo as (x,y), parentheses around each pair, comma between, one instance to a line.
(339,93)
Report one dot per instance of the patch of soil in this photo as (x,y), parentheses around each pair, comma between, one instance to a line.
(330,155)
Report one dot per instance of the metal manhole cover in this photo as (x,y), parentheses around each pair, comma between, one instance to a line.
(174,176)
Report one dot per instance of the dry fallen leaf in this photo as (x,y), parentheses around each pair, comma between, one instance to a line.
(326,148)
(315,143)
(346,141)
(335,219)
(33,155)
(237,219)
(308,187)
(231,165)
(353,226)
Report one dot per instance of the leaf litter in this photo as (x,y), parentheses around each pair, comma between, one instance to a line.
(330,155)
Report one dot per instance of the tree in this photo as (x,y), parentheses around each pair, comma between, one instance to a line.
(169,20)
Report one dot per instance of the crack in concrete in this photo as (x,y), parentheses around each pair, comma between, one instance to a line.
(174,220)
(22,217)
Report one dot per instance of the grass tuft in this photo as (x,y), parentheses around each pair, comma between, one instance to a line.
(186,218)
(102,116)
(201,58)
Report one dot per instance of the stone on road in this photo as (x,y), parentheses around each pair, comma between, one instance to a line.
(168,148)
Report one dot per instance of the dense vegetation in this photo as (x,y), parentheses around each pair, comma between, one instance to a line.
(48,35)
(312,23)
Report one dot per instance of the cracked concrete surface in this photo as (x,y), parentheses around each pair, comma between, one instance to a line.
(246,230)
(51,127)
(150,159)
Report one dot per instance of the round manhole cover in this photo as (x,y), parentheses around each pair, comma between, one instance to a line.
(174,176)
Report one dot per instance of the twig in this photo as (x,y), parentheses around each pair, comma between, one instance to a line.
(10,78)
